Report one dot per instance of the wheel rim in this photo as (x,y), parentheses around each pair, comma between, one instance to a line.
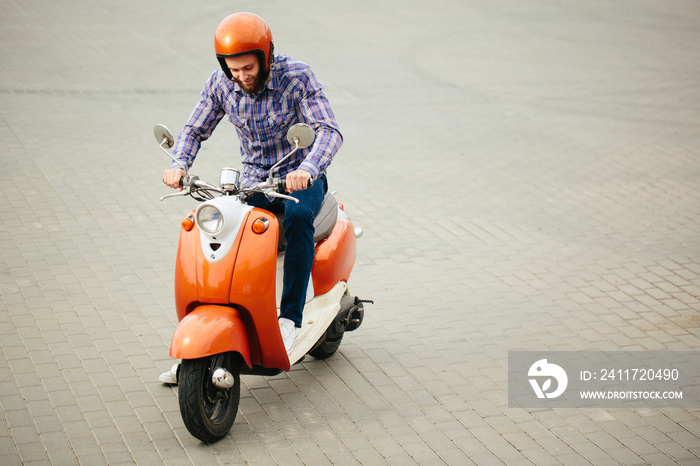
(216,401)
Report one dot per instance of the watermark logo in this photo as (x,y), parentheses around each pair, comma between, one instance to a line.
(546,372)
(604,379)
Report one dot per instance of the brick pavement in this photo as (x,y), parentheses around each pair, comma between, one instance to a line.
(526,174)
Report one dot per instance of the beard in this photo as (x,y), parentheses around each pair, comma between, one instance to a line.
(256,86)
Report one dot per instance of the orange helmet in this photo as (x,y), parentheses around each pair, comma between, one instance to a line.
(242,33)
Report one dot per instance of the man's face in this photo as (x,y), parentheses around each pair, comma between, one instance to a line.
(245,70)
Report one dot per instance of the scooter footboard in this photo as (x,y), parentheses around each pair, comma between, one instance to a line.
(210,330)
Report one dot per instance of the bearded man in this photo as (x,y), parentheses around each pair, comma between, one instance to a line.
(263,95)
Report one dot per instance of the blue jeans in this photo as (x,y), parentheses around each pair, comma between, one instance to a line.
(299,256)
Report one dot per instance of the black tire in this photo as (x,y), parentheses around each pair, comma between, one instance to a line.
(207,411)
(326,349)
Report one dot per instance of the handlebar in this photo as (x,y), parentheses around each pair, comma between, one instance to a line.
(300,134)
(192,185)
(188,181)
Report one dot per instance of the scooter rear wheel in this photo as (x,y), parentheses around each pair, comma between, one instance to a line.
(207,411)
(326,349)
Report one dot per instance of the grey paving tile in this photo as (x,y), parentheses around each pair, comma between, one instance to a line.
(554,208)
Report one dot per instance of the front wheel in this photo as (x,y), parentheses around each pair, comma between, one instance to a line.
(207,410)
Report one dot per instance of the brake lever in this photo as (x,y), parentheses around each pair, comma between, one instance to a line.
(184,192)
(282,196)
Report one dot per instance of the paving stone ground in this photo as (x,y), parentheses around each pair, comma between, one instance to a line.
(527,175)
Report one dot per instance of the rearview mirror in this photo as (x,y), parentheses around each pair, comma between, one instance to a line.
(165,140)
(163,136)
(301,135)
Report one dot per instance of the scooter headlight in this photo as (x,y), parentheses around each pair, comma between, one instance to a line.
(210,220)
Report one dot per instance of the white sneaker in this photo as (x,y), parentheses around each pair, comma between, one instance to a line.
(289,333)
(170,377)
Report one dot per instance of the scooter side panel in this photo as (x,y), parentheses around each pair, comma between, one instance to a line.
(186,271)
(253,287)
(335,258)
(210,330)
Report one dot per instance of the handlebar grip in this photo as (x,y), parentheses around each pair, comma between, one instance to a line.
(182,178)
(282,185)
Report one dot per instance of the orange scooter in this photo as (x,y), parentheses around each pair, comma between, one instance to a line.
(228,278)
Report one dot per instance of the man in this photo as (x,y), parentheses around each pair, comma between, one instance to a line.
(263,95)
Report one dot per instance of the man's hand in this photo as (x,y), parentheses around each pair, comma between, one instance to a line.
(172,177)
(298,180)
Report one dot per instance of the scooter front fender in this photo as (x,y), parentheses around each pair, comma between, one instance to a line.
(209,330)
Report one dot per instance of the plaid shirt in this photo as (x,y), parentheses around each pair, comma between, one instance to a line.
(292,95)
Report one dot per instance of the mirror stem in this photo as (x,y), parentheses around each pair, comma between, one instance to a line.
(274,167)
(165,140)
